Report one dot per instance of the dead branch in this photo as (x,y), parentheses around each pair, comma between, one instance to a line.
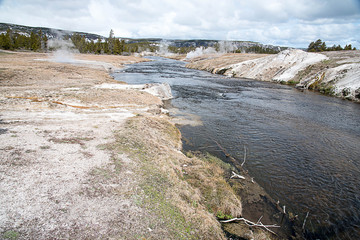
(303,226)
(244,156)
(252,224)
(235,175)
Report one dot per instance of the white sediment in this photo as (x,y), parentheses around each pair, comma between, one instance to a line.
(161,90)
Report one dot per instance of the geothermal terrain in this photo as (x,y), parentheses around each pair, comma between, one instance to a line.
(86,157)
(334,73)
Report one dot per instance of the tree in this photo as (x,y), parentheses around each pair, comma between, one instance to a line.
(44,41)
(348,47)
(105,47)
(98,47)
(117,47)
(7,41)
(323,47)
(111,41)
(338,48)
(35,43)
(311,47)
(317,46)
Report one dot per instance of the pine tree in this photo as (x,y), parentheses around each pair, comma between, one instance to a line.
(35,43)
(311,47)
(339,48)
(44,41)
(105,47)
(98,46)
(348,47)
(317,46)
(2,39)
(7,41)
(111,42)
(117,47)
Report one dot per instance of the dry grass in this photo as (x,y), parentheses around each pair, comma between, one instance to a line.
(186,194)
(207,173)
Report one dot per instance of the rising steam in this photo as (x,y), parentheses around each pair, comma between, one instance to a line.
(64,49)
(223,47)
(164,48)
(200,51)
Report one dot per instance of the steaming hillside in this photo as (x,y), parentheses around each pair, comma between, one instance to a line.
(151,44)
(49,32)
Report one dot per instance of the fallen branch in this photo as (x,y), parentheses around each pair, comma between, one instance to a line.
(244,156)
(252,224)
(303,226)
(235,175)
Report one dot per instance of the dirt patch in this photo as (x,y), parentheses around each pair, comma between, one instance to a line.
(56,180)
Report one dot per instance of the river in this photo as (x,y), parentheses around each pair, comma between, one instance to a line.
(303,148)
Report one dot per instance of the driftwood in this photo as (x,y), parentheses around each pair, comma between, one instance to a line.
(303,226)
(244,156)
(235,175)
(252,224)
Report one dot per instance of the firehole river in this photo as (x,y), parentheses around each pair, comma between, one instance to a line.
(303,148)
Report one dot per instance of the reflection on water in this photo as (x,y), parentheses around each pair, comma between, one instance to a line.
(303,148)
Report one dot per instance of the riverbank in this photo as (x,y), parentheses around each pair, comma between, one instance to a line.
(331,73)
(84,157)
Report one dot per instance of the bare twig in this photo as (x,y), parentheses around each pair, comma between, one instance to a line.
(235,175)
(244,156)
(267,228)
(303,226)
(252,224)
(283,215)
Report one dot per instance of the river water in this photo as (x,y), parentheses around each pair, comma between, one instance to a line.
(301,147)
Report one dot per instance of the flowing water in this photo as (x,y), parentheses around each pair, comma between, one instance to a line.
(301,147)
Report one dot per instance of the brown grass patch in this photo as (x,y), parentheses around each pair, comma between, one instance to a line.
(186,194)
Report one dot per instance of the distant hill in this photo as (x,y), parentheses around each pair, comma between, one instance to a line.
(179,46)
(49,32)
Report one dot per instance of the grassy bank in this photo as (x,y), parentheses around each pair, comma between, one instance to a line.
(184,195)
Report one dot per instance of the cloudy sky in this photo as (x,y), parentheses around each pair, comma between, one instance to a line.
(292,23)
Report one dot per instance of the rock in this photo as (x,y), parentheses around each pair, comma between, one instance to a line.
(346,91)
(161,90)
(357,93)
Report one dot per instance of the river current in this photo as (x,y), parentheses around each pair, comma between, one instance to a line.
(303,148)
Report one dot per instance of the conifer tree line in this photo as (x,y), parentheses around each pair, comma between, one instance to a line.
(320,46)
(37,41)
(14,41)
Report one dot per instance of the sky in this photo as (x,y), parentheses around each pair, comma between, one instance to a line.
(292,23)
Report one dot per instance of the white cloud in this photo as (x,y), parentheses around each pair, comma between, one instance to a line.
(282,22)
